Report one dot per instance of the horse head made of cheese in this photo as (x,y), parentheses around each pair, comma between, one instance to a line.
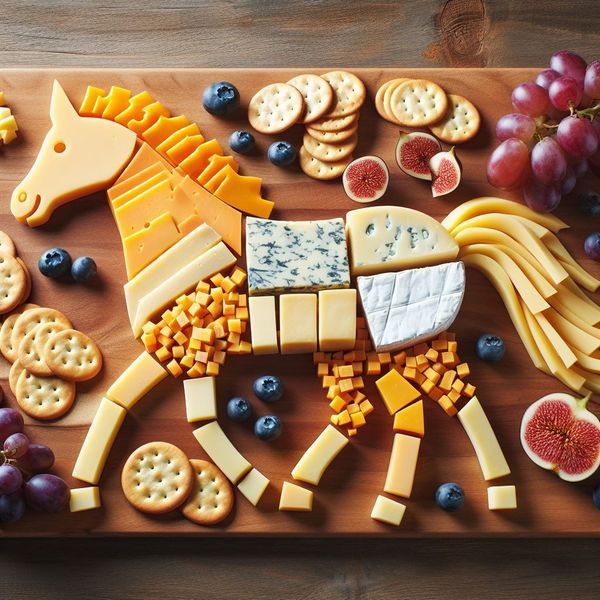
(79,156)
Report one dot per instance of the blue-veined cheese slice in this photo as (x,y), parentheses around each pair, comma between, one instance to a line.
(389,238)
(297,256)
(408,307)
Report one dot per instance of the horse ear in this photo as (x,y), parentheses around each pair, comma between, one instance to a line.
(61,108)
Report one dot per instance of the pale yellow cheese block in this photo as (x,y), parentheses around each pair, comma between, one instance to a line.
(295,498)
(200,399)
(263,325)
(253,486)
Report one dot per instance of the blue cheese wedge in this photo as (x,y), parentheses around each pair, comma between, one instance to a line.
(298,256)
(408,307)
(388,238)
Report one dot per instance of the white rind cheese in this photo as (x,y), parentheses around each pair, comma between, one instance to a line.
(408,307)
(388,238)
(296,255)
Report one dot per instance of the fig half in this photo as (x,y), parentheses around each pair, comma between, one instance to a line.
(559,434)
(445,171)
(366,179)
(414,151)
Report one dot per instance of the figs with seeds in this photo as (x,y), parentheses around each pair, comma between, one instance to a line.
(366,179)
(445,171)
(559,434)
(414,151)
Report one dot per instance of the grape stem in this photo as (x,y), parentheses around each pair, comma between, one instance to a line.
(591,112)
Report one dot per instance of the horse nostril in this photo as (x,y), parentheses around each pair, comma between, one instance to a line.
(22,197)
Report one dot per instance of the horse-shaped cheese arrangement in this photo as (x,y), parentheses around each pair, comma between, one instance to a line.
(177,201)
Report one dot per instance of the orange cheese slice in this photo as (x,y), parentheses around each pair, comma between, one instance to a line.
(181,150)
(176,137)
(144,158)
(115,102)
(136,107)
(215,164)
(131,182)
(140,188)
(163,128)
(89,101)
(243,193)
(197,161)
(216,180)
(411,420)
(151,114)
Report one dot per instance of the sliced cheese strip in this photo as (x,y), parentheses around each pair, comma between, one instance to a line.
(222,452)
(576,300)
(142,159)
(163,128)
(562,348)
(182,149)
(253,486)
(196,162)
(319,455)
(263,325)
(575,270)
(480,206)
(489,454)
(147,184)
(589,363)
(574,318)
(217,258)
(151,114)
(117,101)
(168,263)
(88,103)
(176,137)
(243,192)
(136,107)
(215,164)
(538,230)
(403,464)
(136,179)
(592,380)
(573,335)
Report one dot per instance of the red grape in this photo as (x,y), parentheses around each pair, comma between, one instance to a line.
(12,507)
(591,84)
(540,197)
(11,479)
(546,77)
(580,168)
(530,99)
(37,459)
(47,493)
(515,125)
(11,422)
(508,166)
(569,182)
(565,92)
(16,445)
(569,64)
(577,137)
(594,164)
(548,161)
(591,245)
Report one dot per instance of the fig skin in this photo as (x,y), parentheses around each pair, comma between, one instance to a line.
(435,164)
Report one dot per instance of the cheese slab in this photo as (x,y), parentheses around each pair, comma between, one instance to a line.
(253,486)
(200,399)
(298,323)
(387,238)
(337,320)
(408,307)
(402,466)
(87,498)
(263,324)
(295,498)
(296,255)
(388,511)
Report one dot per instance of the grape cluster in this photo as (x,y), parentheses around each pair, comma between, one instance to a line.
(554,138)
(23,480)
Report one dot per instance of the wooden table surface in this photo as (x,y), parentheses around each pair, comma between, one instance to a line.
(186,33)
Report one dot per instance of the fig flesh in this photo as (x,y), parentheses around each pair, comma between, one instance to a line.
(445,172)
(366,179)
(559,434)
(414,151)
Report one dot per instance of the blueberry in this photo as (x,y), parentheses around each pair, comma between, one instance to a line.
(282,154)
(589,204)
(221,99)
(450,496)
(239,409)
(490,347)
(268,388)
(267,428)
(83,269)
(591,245)
(54,263)
(596,496)
(242,142)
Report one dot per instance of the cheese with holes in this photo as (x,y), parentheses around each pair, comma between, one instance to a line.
(403,464)
(98,441)
(502,497)
(388,511)
(408,307)
(319,455)
(489,454)
(222,452)
(295,498)
(263,325)
(387,238)
(143,374)
(200,399)
(253,486)
(171,261)
(218,258)
(298,323)
(337,320)
(87,498)
(296,255)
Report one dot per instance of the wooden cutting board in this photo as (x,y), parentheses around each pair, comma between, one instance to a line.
(343,501)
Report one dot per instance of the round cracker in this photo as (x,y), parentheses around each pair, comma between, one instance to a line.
(29,356)
(7,246)
(387,95)
(317,93)
(379,98)
(418,102)
(13,376)
(337,124)
(212,496)
(460,123)
(13,283)
(44,398)
(157,478)
(72,355)
(6,348)
(333,137)
(317,169)
(275,108)
(329,152)
(28,283)
(31,318)
(349,91)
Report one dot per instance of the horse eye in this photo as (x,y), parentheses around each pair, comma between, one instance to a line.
(59,147)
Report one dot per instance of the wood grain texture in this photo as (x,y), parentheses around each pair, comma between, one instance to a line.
(358,474)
